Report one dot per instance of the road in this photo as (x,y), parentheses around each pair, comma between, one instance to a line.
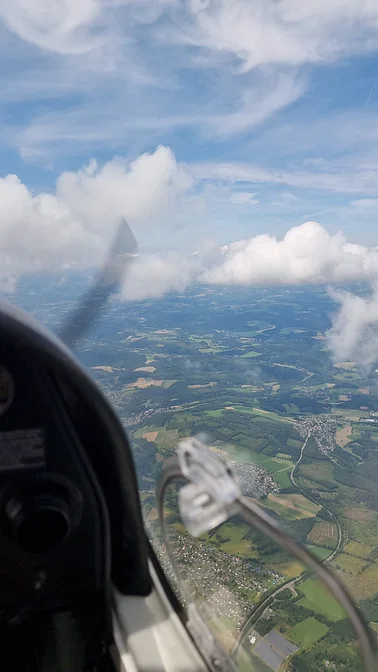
(291,584)
(312,499)
(293,481)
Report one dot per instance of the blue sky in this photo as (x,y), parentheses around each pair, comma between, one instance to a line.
(270,111)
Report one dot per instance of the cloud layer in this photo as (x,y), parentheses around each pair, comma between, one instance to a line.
(74,225)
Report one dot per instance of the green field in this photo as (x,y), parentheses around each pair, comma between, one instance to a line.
(306,633)
(321,553)
(357,549)
(347,375)
(284,511)
(282,477)
(257,412)
(294,443)
(291,408)
(349,563)
(243,409)
(270,415)
(252,353)
(351,414)
(319,471)
(167,439)
(319,600)
(364,532)
(243,548)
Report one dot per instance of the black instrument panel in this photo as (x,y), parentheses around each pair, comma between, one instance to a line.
(53,535)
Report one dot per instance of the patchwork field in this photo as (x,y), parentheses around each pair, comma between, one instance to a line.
(349,564)
(357,549)
(290,569)
(255,389)
(360,586)
(293,510)
(343,435)
(360,514)
(319,600)
(308,632)
(302,502)
(318,472)
(323,533)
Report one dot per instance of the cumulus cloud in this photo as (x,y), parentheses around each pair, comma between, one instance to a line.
(75,224)
(153,276)
(306,254)
(354,333)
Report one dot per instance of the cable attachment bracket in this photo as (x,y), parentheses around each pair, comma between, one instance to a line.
(211,496)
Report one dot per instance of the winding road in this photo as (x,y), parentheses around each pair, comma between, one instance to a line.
(290,584)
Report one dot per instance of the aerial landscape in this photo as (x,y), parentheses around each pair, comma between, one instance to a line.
(249,371)
(236,143)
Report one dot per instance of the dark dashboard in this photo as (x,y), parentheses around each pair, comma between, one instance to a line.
(70,521)
(53,534)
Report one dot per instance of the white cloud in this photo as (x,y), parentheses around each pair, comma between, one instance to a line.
(268,96)
(75,224)
(141,190)
(354,334)
(246,56)
(257,32)
(63,26)
(239,108)
(243,198)
(153,276)
(365,203)
(291,32)
(350,180)
(306,254)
